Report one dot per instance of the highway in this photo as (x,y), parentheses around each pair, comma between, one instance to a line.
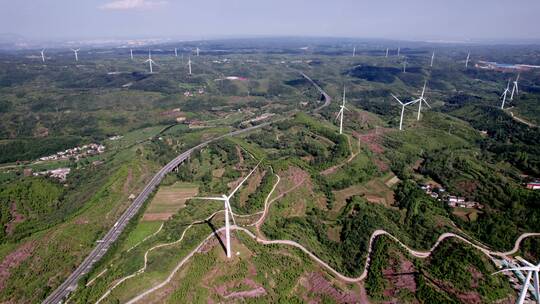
(58,295)
(327,98)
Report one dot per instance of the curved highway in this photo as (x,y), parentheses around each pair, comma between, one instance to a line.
(58,295)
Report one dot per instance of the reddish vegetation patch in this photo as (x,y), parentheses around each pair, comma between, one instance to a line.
(13,260)
(16,218)
(372,139)
(296,175)
(317,284)
(400,277)
(383,167)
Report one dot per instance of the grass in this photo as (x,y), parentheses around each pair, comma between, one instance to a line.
(141,231)
(168,200)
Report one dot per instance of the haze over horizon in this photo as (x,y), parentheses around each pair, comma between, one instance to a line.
(414,20)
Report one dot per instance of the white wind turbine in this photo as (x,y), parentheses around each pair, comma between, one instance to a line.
(354,51)
(531,270)
(43,55)
(189,64)
(503,95)
(175,52)
(131,53)
(341,113)
(228,210)
(403,105)
(197,50)
(421,100)
(404,66)
(150,61)
(467,60)
(515,89)
(432,58)
(386,53)
(398,50)
(76,51)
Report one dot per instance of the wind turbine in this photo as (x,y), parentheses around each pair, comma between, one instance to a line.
(228,210)
(531,270)
(421,100)
(432,58)
(467,60)
(503,95)
(189,64)
(197,50)
(404,66)
(43,55)
(515,88)
(131,53)
(341,112)
(354,51)
(76,51)
(386,53)
(403,105)
(150,61)
(398,50)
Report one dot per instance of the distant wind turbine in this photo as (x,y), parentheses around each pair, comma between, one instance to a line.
(386,53)
(515,89)
(76,51)
(503,95)
(197,51)
(403,105)
(189,64)
(432,58)
(531,270)
(398,50)
(354,51)
(131,53)
(150,61)
(228,210)
(467,60)
(175,52)
(341,113)
(43,55)
(404,66)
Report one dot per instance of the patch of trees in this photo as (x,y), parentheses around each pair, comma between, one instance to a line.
(374,73)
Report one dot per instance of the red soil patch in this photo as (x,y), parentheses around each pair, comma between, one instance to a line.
(13,260)
(467,187)
(316,283)
(16,218)
(372,139)
(255,291)
(383,167)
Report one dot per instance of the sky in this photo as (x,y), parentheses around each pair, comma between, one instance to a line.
(451,20)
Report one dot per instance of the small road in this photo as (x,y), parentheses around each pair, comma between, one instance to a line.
(70,284)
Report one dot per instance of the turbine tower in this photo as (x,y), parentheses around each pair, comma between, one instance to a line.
(150,61)
(341,113)
(403,105)
(197,51)
(503,95)
(131,53)
(531,270)
(228,210)
(404,66)
(76,51)
(175,52)
(421,100)
(386,56)
(189,64)
(354,51)
(515,89)
(467,60)
(398,50)
(43,55)
(432,58)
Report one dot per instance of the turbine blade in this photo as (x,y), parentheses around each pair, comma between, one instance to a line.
(517,269)
(240,185)
(425,101)
(397,99)
(412,102)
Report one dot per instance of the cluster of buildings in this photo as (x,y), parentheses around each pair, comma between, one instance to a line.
(60,173)
(504,67)
(453,201)
(76,153)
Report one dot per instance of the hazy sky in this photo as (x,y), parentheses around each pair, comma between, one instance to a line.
(399,19)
